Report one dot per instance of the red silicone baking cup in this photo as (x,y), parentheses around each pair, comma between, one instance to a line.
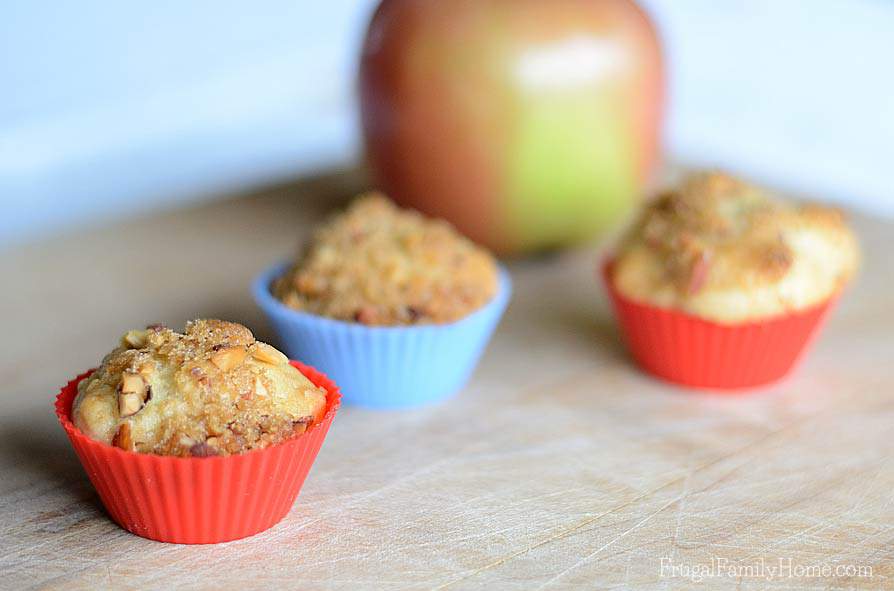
(199,500)
(694,352)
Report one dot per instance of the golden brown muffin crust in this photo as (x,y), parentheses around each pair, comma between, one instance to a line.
(377,264)
(212,390)
(723,249)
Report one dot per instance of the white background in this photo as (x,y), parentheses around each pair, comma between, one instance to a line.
(108,109)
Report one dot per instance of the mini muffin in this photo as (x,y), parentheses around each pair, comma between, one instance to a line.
(397,308)
(379,265)
(718,285)
(212,390)
(723,250)
(161,426)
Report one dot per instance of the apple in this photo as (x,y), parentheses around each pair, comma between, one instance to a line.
(529,124)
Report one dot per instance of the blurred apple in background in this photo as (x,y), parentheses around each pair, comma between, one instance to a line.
(527,123)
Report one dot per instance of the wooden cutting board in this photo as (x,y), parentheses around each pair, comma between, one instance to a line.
(559,466)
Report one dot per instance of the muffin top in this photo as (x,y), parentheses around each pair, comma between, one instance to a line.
(377,264)
(213,390)
(724,250)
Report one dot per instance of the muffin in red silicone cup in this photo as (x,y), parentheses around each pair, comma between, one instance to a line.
(718,285)
(200,437)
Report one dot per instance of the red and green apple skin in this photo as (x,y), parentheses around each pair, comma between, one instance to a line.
(529,124)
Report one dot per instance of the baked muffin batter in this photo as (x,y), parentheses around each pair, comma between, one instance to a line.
(724,250)
(377,264)
(213,390)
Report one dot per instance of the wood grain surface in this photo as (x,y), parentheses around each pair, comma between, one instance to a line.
(560,465)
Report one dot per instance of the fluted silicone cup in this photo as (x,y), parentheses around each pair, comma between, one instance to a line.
(199,500)
(386,367)
(690,351)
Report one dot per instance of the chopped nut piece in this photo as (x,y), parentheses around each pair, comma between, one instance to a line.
(202,450)
(134,339)
(129,404)
(260,390)
(699,273)
(132,383)
(365,315)
(227,358)
(267,354)
(123,438)
(133,394)
(300,426)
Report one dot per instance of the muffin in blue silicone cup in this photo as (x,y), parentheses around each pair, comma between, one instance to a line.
(395,307)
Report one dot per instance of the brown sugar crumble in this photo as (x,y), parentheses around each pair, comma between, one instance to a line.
(211,390)
(727,250)
(379,265)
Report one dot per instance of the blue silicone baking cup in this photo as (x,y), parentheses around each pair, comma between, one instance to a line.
(385,366)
